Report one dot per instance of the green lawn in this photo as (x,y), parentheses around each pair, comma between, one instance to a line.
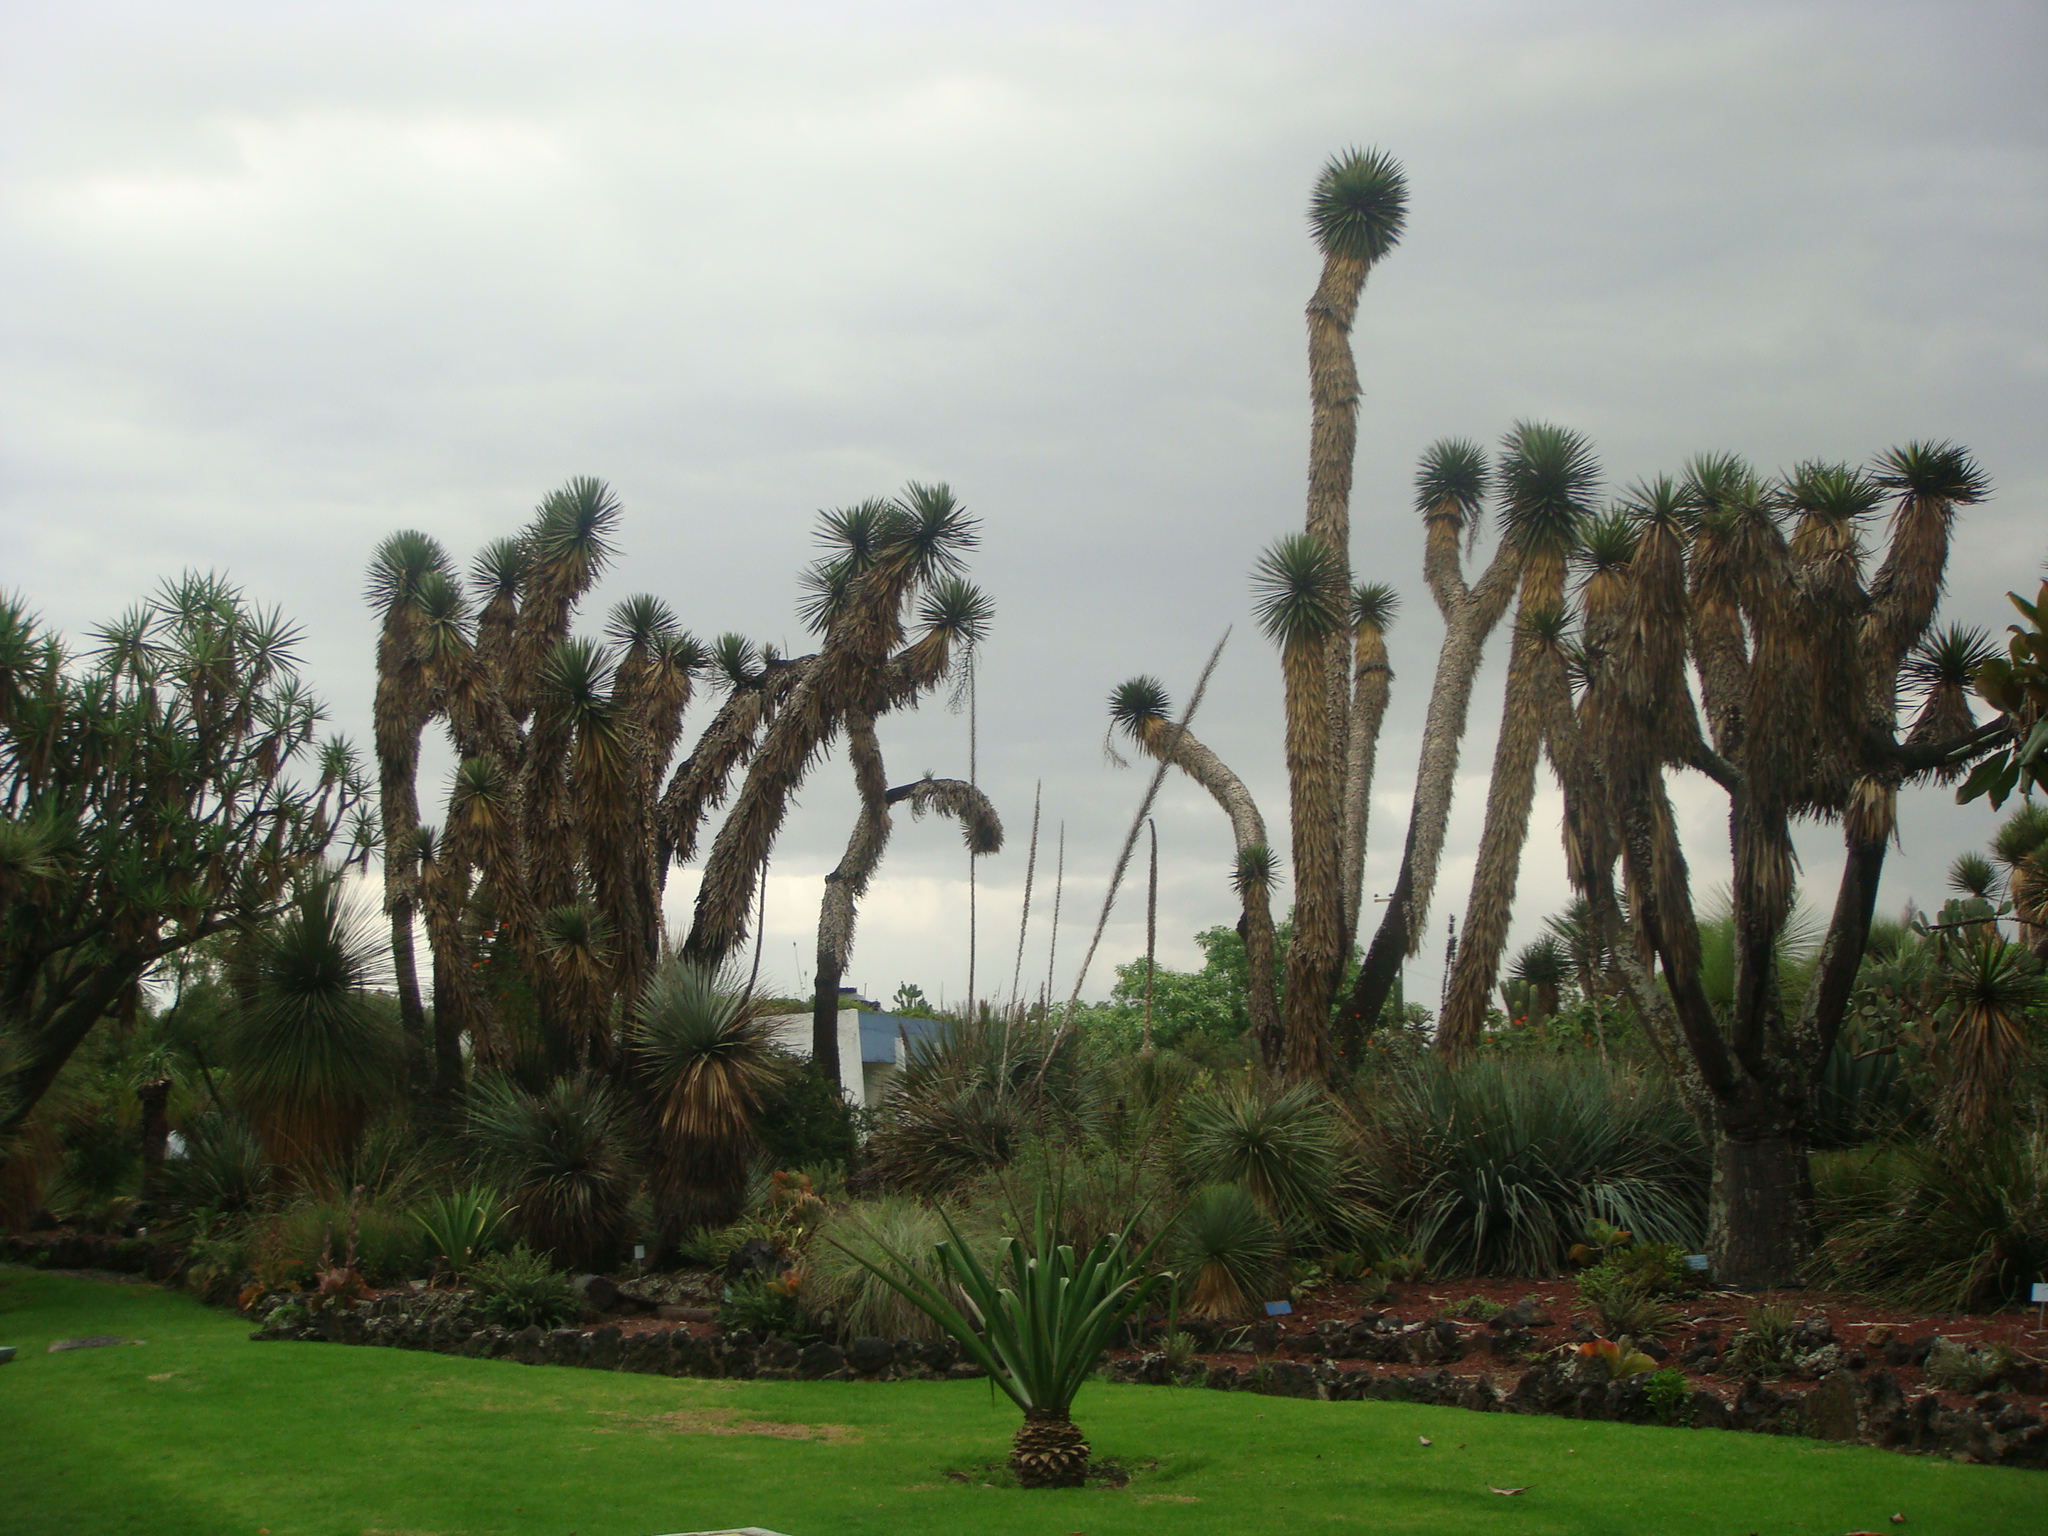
(200,1431)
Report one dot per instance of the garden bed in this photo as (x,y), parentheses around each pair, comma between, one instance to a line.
(1861,1377)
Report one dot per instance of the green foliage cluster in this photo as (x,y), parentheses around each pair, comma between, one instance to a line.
(521,1289)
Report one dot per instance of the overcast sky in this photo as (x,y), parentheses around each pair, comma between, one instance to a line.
(278,279)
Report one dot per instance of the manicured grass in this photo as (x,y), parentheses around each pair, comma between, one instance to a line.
(200,1431)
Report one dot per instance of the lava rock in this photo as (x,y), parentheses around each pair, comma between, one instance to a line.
(599,1294)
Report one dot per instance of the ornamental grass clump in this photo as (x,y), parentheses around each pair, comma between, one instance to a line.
(1228,1248)
(1036,1320)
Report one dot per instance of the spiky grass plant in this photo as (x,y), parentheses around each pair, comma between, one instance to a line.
(1036,1320)
(1497,1166)
(1281,1145)
(223,1169)
(563,1156)
(1227,1248)
(841,1286)
(1992,988)
(316,1053)
(707,1055)
(1942,1225)
(461,1225)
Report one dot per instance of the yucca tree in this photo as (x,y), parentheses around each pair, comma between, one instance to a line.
(1451,485)
(1141,709)
(1790,719)
(2021,846)
(980,828)
(313,1051)
(703,1053)
(1300,599)
(1356,214)
(1373,605)
(887,565)
(405,569)
(1542,965)
(1547,479)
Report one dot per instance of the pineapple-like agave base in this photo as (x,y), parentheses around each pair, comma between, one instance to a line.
(1049,1452)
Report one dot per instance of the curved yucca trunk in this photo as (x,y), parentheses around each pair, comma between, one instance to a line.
(845,886)
(1173,742)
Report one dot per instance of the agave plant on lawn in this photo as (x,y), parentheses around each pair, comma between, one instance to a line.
(1036,1321)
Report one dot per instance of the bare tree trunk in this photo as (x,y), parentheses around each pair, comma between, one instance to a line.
(1371,689)
(844,887)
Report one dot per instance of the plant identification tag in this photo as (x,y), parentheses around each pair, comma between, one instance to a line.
(2040,1296)
(1279,1308)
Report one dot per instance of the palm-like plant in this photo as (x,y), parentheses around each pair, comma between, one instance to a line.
(1142,711)
(1301,594)
(1037,1321)
(461,1225)
(1992,986)
(1227,1247)
(1547,478)
(1543,966)
(1281,1146)
(314,1053)
(706,1057)
(563,1156)
(404,568)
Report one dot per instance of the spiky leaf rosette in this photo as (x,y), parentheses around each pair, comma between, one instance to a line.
(1373,606)
(735,660)
(563,1156)
(956,608)
(1299,590)
(1282,1147)
(1832,493)
(1943,666)
(1227,1247)
(639,621)
(1548,476)
(1543,962)
(569,542)
(1933,472)
(1359,206)
(402,563)
(1138,703)
(1993,986)
(499,568)
(1973,875)
(1257,868)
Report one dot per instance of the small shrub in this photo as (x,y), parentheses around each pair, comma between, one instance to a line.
(763,1306)
(520,1289)
(214,1263)
(222,1170)
(1956,1367)
(389,1245)
(1765,1347)
(1668,1392)
(1404,1267)
(842,1290)
(286,1314)
(1622,1357)
(1656,1269)
(1624,1309)
(1480,1309)
(462,1225)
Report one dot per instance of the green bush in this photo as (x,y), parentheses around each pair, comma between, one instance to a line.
(222,1170)
(390,1247)
(840,1287)
(520,1289)
(763,1306)
(1496,1167)
(1765,1347)
(804,1120)
(1668,1392)
(461,1226)
(1225,1249)
(1655,1269)
(1949,1226)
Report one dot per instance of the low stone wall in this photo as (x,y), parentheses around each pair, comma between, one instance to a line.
(1863,1410)
(737,1355)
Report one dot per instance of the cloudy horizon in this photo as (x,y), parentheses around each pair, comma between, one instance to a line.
(278,281)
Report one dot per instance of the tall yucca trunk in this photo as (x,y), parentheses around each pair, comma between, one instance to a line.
(1510,795)
(1470,615)
(401,713)
(1333,446)
(1372,686)
(1313,960)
